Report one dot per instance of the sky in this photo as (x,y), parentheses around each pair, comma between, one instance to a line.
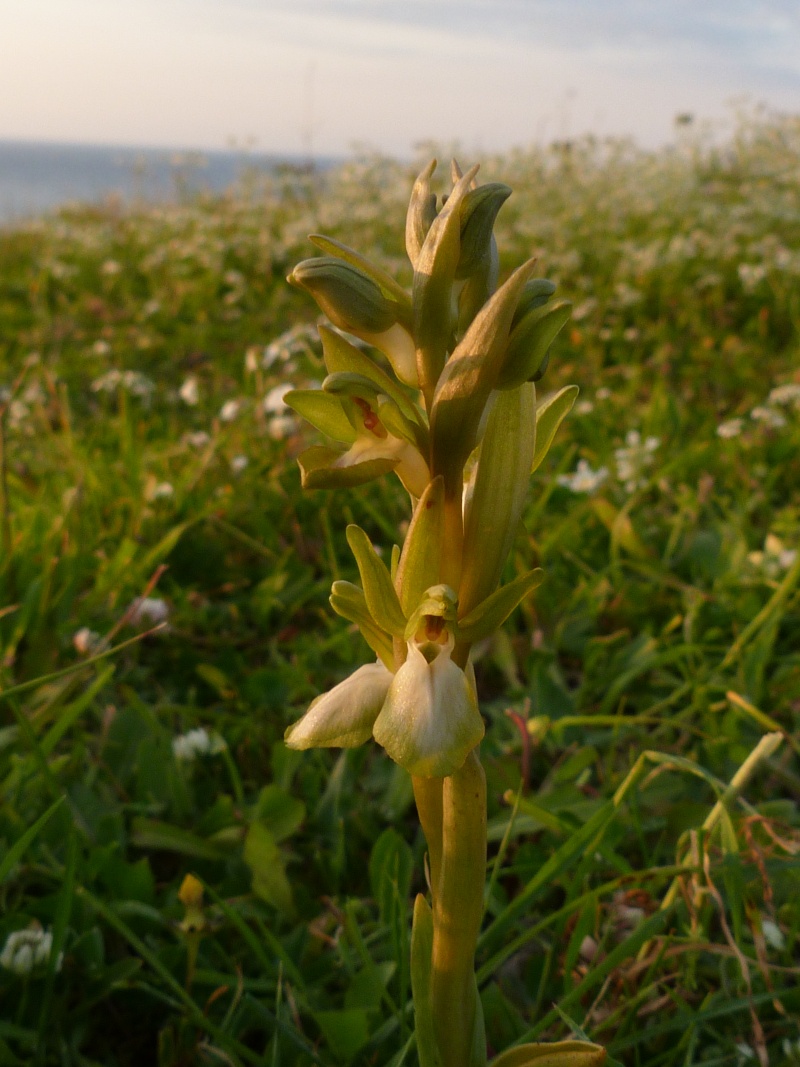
(318,77)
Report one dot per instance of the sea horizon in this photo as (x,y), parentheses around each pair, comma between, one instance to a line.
(37,177)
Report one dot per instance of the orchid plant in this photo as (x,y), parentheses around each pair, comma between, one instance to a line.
(452,410)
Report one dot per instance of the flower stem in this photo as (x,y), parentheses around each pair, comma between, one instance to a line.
(457,911)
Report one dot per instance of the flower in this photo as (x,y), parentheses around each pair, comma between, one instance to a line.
(25,950)
(344,716)
(730,428)
(148,609)
(769,416)
(584,480)
(429,722)
(238,464)
(85,640)
(229,410)
(198,742)
(199,439)
(189,392)
(788,393)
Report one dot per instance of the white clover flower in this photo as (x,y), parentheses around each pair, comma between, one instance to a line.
(189,392)
(85,640)
(769,416)
(239,463)
(273,401)
(101,348)
(730,428)
(634,458)
(198,439)
(229,410)
(281,427)
(26,950)
(584,479)
(789,393)
(773,934)
(198,742)
(149,609)
(160,491)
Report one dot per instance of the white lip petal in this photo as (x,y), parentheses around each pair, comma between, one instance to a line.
(344,716)
(430,721)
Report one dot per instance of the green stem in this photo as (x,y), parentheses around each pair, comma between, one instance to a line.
(428,795)
(457,912)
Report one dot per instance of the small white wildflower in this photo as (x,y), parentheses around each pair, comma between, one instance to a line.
(152,307)
(603,393)
(198,439)
(584,309)
(584,479)
(632,459)
(198,742)
(17,413)
(751,274)
(136,383)
(789,393)
(769,416)
(273,401)
(160,491)
(25,950)
(85,640)
(281,426)
(584,407)
(189,392)
(101,348)
(251,360)
(229,410)
(744,1052)
(238,464)
(110,268)
(730,428)
(149,609)
(773,934)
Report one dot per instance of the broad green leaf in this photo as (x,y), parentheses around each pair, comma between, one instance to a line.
(345,1032)
(153,834)
(490,615)
(421,953)
(468,378)
(385,282)
(497,498)
(380,595)
(349,601)
(343,357)
(319,469)
(391,865)
(281,814)
(559,1054)
(420,560)
(263,857)
(323,411)
(434,272)
(550,413)
(529,343)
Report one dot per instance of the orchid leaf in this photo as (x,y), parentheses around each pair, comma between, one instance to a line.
(385,282)
(323,411)
(489,615)
(558,1054)
(349,601)
(380,595)
(550,413)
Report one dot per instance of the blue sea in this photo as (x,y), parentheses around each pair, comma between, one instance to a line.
(37,177)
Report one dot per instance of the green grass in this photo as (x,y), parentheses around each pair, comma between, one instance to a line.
(659,628)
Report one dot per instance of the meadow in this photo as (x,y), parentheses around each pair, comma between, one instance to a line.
(164,617)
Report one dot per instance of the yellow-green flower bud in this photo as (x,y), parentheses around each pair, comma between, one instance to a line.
(421,213)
